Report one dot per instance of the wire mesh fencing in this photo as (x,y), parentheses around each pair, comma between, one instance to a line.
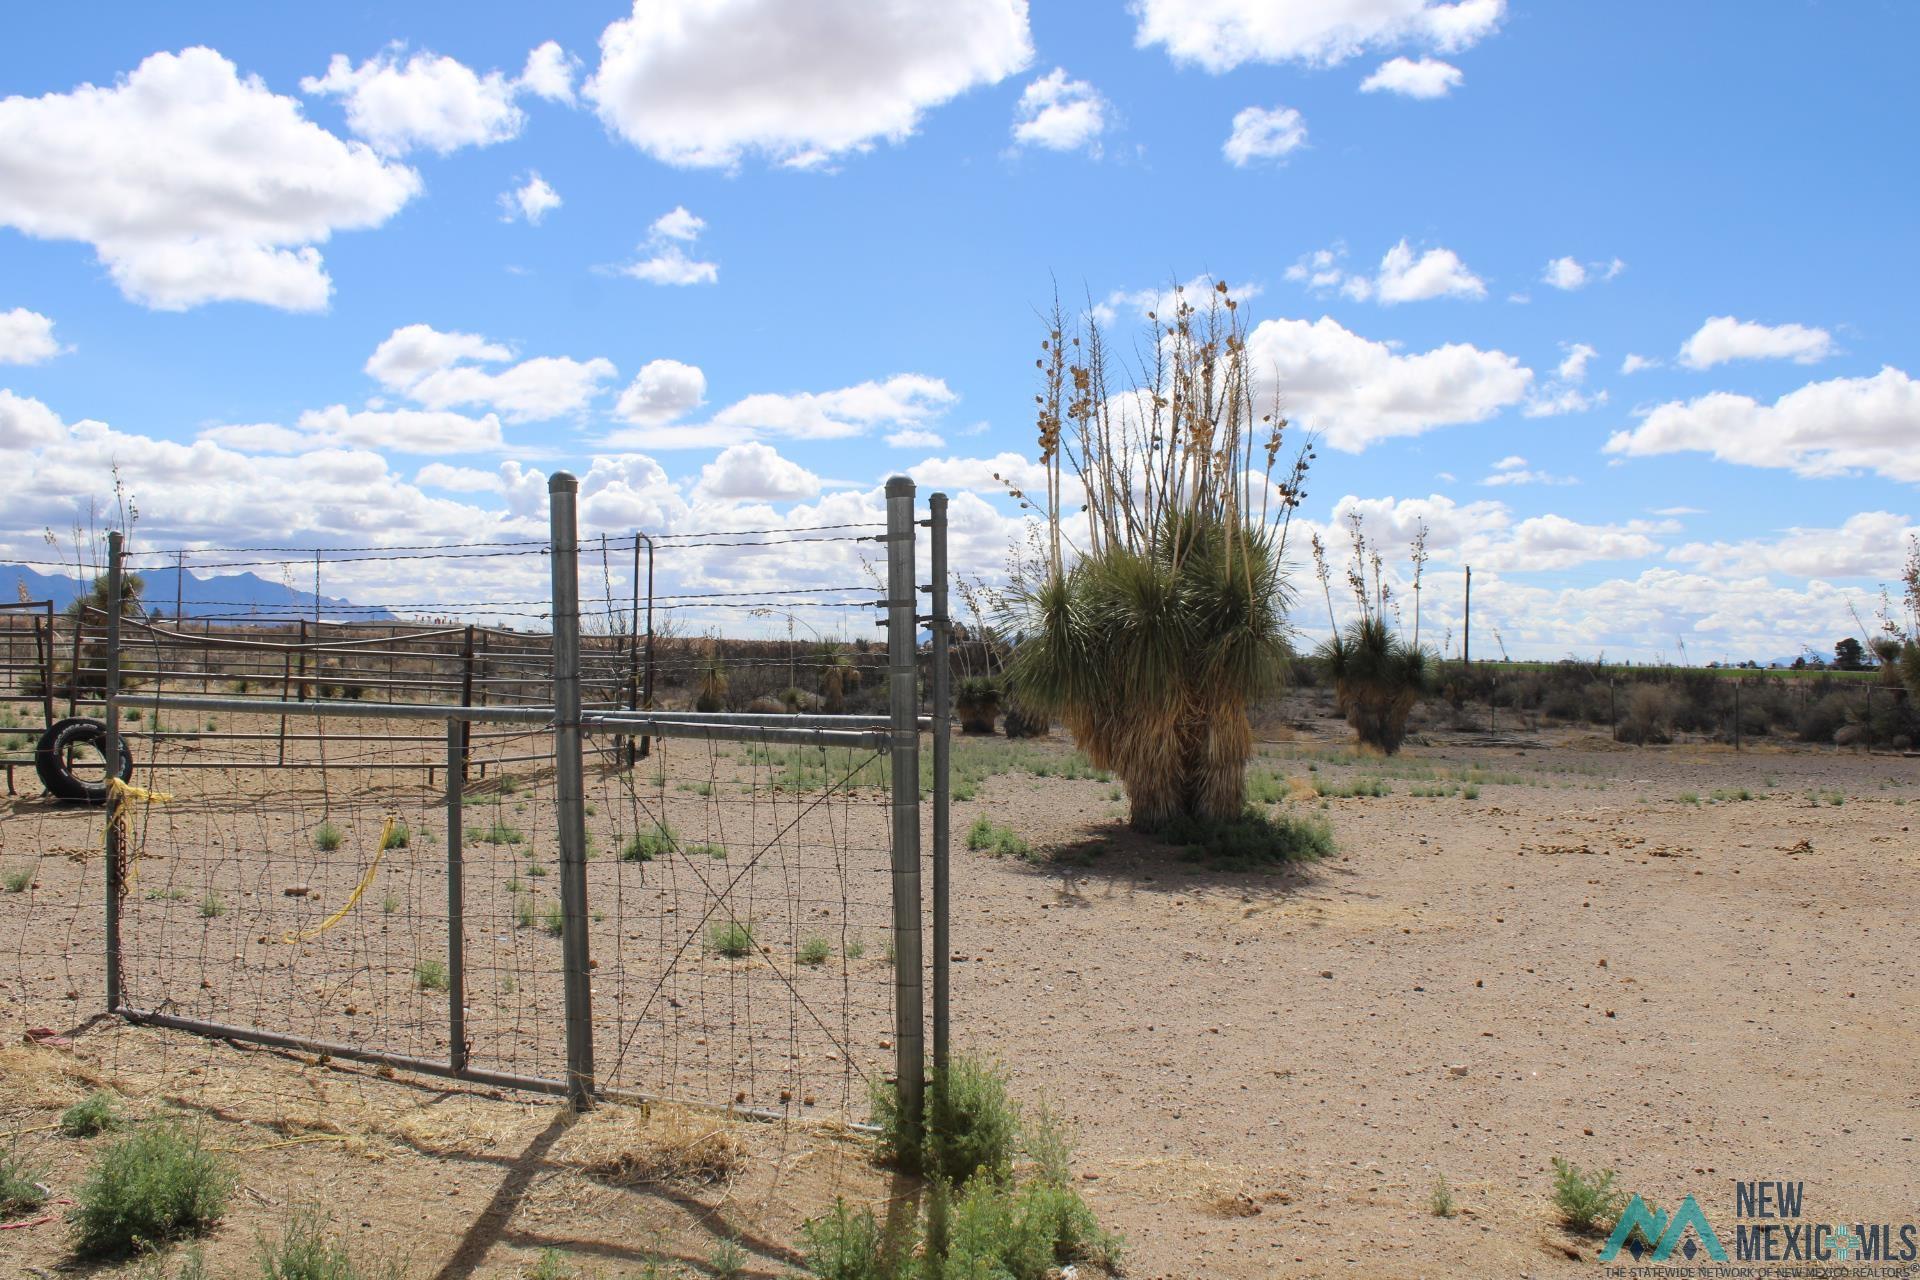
(634,852)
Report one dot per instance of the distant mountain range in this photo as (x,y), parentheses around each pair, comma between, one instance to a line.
(225,595)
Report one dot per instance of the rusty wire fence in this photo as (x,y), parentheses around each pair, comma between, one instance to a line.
(579,849)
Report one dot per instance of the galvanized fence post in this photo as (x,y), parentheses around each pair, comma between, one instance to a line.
(456,896)
(570,784)
(942,747)
(903,707)
(116,870)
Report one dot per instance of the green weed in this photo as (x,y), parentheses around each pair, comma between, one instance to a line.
(157,1184)
(730,938)
(1588,1201)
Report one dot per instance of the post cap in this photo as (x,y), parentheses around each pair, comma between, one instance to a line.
(900,487)
(562,481)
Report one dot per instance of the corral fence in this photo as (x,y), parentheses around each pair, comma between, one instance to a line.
(490,854)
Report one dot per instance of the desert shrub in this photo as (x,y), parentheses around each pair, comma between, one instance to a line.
(1588,1200)
(1440,1199)
(431,975)
(327,837)
(844,1245)
(1377,678)
(1564,702)
(1647,717)
(985,836)
(730,938)
(1019,721)
(988,1235)
(95,1114)
(813,950)
(16,879)
(155,1185)
(973,1124)
(1699,702)
(553,918)
(397,837)
(644,846)
(305,1251)
(1823,717)
(999,1229)
(21,1184)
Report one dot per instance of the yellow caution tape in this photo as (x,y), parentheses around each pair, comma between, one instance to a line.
(118,793)
(308,935)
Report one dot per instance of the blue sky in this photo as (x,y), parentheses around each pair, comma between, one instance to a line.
(849,241)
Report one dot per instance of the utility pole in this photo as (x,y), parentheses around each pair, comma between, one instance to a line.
(1466,635)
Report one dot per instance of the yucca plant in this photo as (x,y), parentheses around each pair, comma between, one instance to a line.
(838,677)
(976,700)
(1149,638)
(1378,675)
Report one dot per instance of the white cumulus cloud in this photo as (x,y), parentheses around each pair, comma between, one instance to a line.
(1869,545)
(1219,35)
(1832,428)
(402,430)
(192,183)
(549,73)
(1264,133)
(1060,114)
(26,423)
(755,473)
(1570,273)
(441,475)
(994,476)
(670,262)
(26,337)
(1357,392)
(1404,276)
(442,370)
(662,391)
(1425,78)
(429,100)
(532,200)
(704,82)
(1437,273)
(1722,339)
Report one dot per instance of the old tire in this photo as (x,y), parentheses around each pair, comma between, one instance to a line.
(52,760)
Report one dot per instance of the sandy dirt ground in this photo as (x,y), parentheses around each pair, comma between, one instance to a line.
(1686,964)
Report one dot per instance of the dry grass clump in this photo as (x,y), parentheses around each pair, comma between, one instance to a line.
(464,1125)
(37,1078)
(652,1145)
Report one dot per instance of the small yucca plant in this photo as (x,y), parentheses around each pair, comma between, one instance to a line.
(1150,640)
(1378,675)
(977,702)
(1378,678)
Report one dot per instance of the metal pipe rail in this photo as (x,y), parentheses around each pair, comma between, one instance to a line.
(338,709)
(630,724)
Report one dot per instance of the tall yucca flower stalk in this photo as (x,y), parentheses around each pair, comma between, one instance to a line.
(1378,675)
(1156,607)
